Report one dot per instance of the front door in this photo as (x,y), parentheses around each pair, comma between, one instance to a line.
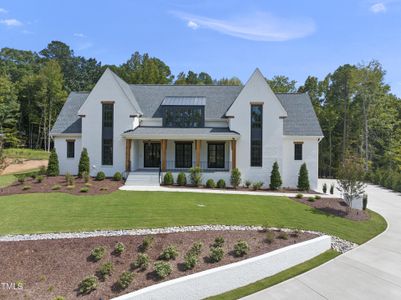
(151,155)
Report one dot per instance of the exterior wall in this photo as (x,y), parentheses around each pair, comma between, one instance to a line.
(159,122)
(310,156)
(68,165)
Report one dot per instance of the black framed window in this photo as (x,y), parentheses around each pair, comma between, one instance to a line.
(107,133)
(71,149)
(298,151)
(183,155)
(256,135)
(184,116)
(215,155)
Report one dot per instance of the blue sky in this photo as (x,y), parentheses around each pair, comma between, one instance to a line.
(223,38)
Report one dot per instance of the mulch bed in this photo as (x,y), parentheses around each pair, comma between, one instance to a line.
(50,268)
(96,187)
(335,206)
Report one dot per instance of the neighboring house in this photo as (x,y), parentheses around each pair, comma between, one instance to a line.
(131,128)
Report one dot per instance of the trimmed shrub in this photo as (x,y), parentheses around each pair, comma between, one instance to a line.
(162,269)
(317,197)
(105,270)
(195,176)
(39,178)
(221,184)
(181,179)
(100,176)
(141,262)
(125,279)
(365,201)
(53,166)
(210,184)
(190,261)
(332,189)
(119,248)
(169,253)
(299,196)
(146,243)
(248,183)
(241,248)
(168,179)
(218,242)
(283,235)
(303,178)
(269,237)
(196,248)
(56,187)
(324,188)
(257,185)
(88,285)
(84,164)
(275,177)
(216,254)
(235,178)
(85,176)
(84,190)
(311,199)
(97,253)
(117,176)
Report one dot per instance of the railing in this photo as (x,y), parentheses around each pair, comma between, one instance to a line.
(172,165)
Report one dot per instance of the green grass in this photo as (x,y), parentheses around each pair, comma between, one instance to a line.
(23,153)
(275,279)
(6,180)
(56,212)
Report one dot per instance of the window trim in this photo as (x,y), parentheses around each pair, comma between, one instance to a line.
(73,148)
(295,151)
(107,133)
(259,163)
(208,155)
(175,155)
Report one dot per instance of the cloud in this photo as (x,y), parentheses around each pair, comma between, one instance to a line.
(84,46)
(258,26)
(379,7)
(80,35)
(3,11)
(11,22)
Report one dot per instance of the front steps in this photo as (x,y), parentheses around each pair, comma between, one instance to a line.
(143,178)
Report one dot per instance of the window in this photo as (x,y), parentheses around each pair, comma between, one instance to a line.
(183,116)
(70,149)
(107,133)
(256,135)
(298,151)
(215,155)
(183,155)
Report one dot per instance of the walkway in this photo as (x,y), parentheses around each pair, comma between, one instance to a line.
(371,271)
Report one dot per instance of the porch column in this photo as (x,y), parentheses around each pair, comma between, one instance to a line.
(233,154)
(128,155)
(198,146)
(163,154)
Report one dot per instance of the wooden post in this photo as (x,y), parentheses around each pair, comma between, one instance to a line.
(164,150)
(198,146)
(233,154)
(128,155)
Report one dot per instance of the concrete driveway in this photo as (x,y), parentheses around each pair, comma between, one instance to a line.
(371,271)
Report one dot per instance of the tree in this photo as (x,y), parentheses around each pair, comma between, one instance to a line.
(282,84)
(303,178)
(53,166)
(275,177)
(235,178)
(84,163)
(193,78)
(9,113)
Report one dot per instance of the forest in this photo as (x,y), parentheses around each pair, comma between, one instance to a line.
(359,115)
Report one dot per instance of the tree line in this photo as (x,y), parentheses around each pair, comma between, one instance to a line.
(357,111)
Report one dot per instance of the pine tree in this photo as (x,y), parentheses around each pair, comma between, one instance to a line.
(83,163)
(303,178)
(52,167)
(275,178)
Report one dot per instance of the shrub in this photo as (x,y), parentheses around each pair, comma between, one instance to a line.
(26,187)
(52,166)
(125,279)
(365,201)
(216,254)
(332,189)
(182,179)
(56,187)
(241,248)
(117,176)
(257,185)
(190,260)
(85,176)
(283,235)
(119,248)
(70,187)
(146,243)
(40,178)
(59,298)
(97,253)
(311,199)
(210,184)
(195,176)
(88,285)
(100,176)
(69,179)
(299,196)
(303,178)
(296,233)
(196,248)
(105,270)
(162,269)
(317,197)
(21,178)
(218,242)
(104,188)
(169,253)
(141,262)
(42,170)
(275,177)
(88,184)
(84,189)
(168,179)
(221,184)
(84,164)
(248,183)
(235,178)
(324,188)
(269,237)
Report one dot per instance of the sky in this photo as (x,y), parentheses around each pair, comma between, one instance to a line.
(223,38)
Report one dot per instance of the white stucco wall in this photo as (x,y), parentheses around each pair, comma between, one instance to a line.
(67,165)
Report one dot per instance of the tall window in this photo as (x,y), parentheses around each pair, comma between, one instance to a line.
(183,116)
(215,155)
(256,134)
(70,148)
(107,133)
(298,151)
(183,155)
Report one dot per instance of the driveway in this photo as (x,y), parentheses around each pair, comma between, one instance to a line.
(371,271)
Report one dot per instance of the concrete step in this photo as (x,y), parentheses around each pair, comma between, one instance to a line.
(143,178)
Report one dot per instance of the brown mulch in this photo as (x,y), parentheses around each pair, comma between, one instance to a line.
(335,206)
(96,187)
(51,268)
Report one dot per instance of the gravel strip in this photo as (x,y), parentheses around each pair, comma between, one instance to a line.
(337,244)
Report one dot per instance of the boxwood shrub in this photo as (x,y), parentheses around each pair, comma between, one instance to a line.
(182,179)
(210,184)
(221,184)
(100,176)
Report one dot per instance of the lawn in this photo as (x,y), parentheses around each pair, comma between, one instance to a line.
(22,153)
(54,212)
(6,180)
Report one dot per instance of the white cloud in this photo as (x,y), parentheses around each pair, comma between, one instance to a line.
(259,26)
(192,24)
(84,46)
(379,7)
(80,35)
(11,22)
(3,11)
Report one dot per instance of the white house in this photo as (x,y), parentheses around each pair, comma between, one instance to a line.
(136,128)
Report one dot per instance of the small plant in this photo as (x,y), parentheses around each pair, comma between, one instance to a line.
(42,170)
(26,187)
(257,185)
(56,187)
(235,178)
(221,184)
(195,176)
(52,166)
(141,262)
(210,184)
(21,178)
(299,196)
(311,199)
(119,248)
(248,183)
(295,233)
(317,197)
(146,243)
(169,253)
(104,188)
(59,298)
(84,189)
(218,242)
(97,253)
(365,201)
(196,248)
(162,269)
(105,270)
(168,179)
(88,285)
(303,178)
(125,279)
(324,188)
(69,179)
(85,176)
(332,188)
(282,235)
(216,254)
(88,184)
(190,261)
(39,178)
(275,177)
(241,248)
(117,176)
(100,176)
(269,237)
(181,179)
